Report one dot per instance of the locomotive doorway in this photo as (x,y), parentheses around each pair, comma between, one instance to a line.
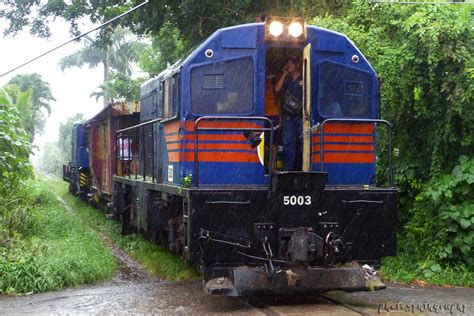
(307,129)
(275,59)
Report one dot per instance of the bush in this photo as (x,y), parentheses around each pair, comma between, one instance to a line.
(441,222)
(14,148)
(48,248)
(423,55)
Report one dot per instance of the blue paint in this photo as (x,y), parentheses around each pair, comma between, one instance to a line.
(228,173)
(247,42)
(348,173)
(79,155)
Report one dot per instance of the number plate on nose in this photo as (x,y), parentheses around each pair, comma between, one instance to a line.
(297,200)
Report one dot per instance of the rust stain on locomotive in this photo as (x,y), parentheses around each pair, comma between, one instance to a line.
(125,108)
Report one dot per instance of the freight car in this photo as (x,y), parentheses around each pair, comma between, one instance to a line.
(197,172)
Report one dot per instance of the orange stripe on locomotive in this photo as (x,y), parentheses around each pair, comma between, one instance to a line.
(345,143)
(225,145)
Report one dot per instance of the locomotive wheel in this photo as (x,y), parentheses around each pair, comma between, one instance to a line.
(127,227)
(83,196)
(162,238)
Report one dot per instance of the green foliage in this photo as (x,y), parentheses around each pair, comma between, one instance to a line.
(14,146)
(405,268)
(167,47)
(55,154)
(88,55)
(15,167)
(196,19)
(116,50)
(52,160)
(153,257)
(157,260)
(32,96)
(186,182)
(65,134)
(441,225)
(120,87)
(423,55)
(43,247)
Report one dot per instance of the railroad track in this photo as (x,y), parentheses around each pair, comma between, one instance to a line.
(319,304)
(347,306)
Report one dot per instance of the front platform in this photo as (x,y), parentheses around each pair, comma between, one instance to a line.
(244,281)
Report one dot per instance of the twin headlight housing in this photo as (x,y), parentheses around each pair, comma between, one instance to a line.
(285,29)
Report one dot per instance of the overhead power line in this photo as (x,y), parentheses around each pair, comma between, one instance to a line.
(76,38)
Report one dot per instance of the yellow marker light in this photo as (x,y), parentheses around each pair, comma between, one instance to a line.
(295,29)
(275,28)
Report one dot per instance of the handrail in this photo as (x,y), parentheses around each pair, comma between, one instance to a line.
(138,125)
(142,154)
(227,118)
(390,168)
(120,151)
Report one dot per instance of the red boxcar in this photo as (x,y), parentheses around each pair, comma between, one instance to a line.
(102,144)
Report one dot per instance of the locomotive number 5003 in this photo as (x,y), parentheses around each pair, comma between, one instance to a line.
(296,200)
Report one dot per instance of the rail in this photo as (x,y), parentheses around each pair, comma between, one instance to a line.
(375,121)
(243,129)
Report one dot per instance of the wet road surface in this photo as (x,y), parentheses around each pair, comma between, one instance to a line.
(133,291)
(152,296)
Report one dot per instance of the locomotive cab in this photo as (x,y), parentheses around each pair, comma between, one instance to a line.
(328,211)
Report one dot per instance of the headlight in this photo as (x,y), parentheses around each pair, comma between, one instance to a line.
(285,29)
(275,28)
(295,29)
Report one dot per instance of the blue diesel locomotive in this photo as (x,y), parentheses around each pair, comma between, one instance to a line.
(198,173)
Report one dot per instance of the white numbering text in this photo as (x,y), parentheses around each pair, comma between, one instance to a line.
(297,200)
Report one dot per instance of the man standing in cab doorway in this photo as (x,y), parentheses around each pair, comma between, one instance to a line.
(290,87)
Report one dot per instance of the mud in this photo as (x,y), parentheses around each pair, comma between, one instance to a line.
(129,269)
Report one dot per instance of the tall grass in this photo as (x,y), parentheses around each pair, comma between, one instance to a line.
(47,248)
(405,269)
(153,257)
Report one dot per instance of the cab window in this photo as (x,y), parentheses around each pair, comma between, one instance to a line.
(344,91)
(223,87)
(168,98)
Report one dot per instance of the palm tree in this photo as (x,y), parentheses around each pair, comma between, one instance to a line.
(115,53)
(31,95)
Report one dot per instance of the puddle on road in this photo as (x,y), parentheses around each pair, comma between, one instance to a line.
(153,296)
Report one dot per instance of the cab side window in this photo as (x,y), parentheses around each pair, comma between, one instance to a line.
(344,91)
(168,98)
(170,88)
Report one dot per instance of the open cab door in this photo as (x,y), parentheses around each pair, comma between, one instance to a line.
(307,108)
